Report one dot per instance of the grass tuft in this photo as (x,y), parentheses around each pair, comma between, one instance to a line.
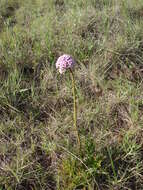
(38,147)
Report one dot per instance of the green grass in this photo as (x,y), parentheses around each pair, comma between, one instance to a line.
(38,149)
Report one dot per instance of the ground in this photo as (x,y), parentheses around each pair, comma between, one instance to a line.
(38,144)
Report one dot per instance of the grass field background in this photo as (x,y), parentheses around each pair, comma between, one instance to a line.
(38,149)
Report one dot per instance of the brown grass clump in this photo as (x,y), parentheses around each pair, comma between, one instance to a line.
(37,140)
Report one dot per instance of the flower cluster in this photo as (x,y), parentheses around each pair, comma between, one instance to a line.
(64,62)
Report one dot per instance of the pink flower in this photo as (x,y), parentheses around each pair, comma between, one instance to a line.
(64,62)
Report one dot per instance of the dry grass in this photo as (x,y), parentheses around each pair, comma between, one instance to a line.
(38,147)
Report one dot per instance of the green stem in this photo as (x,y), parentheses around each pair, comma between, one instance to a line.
(75,107)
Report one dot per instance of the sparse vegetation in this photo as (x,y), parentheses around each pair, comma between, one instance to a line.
(38,149)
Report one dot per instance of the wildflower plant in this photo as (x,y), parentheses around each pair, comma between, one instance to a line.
(66,62)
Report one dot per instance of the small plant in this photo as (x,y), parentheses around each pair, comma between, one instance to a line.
(66,62)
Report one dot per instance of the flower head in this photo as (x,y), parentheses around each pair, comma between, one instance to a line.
(64,62)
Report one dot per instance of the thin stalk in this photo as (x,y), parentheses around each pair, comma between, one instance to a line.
(75,107)
(112,164)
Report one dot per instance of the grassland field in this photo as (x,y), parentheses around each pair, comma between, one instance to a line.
(38,145)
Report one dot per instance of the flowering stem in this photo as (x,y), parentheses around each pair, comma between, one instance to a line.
(75,107)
